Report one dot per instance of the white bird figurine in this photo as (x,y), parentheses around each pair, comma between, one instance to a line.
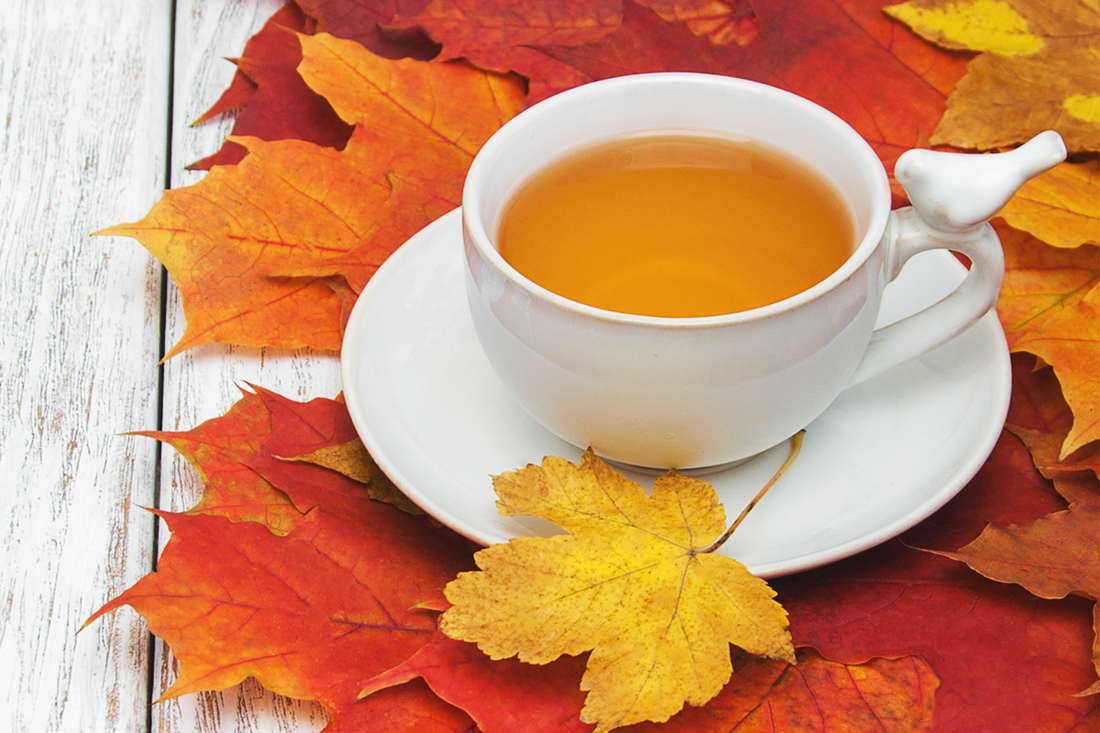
(956,193)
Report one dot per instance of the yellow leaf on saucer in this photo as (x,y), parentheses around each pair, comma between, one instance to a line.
(631,582)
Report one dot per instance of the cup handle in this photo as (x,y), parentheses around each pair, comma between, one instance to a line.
(953,196)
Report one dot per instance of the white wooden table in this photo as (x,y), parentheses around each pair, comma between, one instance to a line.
(96,99)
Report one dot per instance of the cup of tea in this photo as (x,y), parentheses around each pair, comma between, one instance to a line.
(683,270)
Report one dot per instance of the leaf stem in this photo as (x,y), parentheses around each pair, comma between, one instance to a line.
(796,448)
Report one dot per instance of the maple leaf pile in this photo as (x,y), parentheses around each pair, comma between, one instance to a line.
(303,567)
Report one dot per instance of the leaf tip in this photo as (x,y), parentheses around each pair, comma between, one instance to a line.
(438,604)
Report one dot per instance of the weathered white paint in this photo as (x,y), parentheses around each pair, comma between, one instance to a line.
(83,109)
(84,106)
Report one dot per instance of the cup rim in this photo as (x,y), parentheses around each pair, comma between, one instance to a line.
(476,232)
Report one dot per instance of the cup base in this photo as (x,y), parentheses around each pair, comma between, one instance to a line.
(697,472)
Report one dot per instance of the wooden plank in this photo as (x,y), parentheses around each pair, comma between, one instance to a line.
(83,102)
(203,383)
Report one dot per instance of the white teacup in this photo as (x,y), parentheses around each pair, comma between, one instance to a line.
(695,392)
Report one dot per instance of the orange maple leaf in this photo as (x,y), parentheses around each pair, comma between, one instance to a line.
(1048,306)
(260,250)
(1052,557)
(1070,343)
(1060,207)
(1046,447)
(224,237)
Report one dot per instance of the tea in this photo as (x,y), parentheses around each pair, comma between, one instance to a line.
(676,225)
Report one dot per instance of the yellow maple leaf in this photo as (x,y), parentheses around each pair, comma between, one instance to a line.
(1039,69)
(634,582)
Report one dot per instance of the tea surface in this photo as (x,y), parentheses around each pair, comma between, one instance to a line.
(676,226)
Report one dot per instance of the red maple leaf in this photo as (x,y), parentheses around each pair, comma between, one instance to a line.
(338,593)
(274,102)
(848,57)
(1007,661)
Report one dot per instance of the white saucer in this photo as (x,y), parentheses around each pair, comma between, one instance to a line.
(883,457)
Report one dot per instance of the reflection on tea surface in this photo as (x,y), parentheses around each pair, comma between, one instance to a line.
(676,226)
